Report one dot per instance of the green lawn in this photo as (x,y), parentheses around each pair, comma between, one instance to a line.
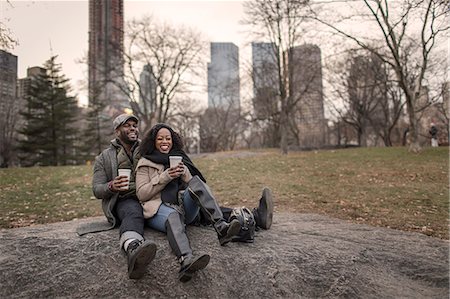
(379,186)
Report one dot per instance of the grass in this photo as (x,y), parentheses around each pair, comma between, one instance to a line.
(386,187)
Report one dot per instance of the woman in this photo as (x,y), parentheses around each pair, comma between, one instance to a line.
(166,207)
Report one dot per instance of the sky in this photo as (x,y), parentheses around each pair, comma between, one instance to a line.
(46,28)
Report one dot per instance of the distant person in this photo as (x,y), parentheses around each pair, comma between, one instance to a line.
(433,132)
(173,196)
(120,204)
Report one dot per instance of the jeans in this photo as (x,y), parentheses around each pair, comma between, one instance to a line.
(131,216)
(158,221)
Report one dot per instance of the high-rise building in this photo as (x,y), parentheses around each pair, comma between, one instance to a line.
(106,63)
(265,79)
(8,76)
(8,106)
(24,83)
(305,87)
(147,96)
(223,76)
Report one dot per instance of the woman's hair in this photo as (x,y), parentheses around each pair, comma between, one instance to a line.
(148,142)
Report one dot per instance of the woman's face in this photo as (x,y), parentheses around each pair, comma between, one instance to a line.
(163,141)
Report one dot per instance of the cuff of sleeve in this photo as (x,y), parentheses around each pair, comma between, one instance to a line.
(187,176)
(165,177)
(110,186)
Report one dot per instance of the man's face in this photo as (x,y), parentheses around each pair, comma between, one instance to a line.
(128,132)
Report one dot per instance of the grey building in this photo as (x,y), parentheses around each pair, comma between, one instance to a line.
(24,83)
(223,76)
(105,56)
(147,95)
(9,106)
(265,79)
(306,89)
(8,76)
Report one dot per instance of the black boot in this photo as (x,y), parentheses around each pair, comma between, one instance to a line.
(179,242)
(190,264)
(264,212)
(203,196)
(140,254)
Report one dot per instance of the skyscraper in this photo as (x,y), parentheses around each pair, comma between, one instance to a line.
(8,106)
(8,76)
(147,96)
(223,76)
(305,87)
(106,55)
(265,79)
(24,83)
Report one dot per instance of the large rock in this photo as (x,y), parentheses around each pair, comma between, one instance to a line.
(303,255)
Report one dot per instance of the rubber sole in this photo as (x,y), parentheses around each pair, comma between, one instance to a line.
(232,231)
(267,208)
(144,255)
(197,265)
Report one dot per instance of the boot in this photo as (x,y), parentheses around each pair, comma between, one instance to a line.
(190,264)
(140,254)
(179,242)
(264,212)
(203,196)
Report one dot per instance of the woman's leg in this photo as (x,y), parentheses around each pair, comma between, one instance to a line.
(171,222)
(190,208)
(158,221)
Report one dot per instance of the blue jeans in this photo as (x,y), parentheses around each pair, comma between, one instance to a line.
(158,221)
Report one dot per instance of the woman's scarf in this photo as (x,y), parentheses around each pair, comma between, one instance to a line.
(170,193)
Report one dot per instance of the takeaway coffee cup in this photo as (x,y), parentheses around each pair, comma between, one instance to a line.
(175,160)
(127,173)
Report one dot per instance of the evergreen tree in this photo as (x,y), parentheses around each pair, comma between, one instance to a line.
(50,114)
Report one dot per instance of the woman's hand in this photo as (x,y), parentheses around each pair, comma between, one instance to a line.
(177,171)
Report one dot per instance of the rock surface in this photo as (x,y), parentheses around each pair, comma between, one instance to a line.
(302,256)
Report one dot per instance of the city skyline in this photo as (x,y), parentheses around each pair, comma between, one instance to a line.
(69,39)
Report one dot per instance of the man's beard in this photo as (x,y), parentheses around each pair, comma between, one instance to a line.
(124,138)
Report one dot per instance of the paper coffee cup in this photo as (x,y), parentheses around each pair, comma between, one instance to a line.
(174,160)
(127,173)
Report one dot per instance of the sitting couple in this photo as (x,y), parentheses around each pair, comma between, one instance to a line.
(161,197)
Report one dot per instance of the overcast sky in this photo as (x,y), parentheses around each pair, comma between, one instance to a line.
(45,28)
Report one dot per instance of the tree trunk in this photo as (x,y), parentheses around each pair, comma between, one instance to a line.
(414,145)
(284,128)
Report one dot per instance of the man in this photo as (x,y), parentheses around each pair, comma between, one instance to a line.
(433,132)
(119,202)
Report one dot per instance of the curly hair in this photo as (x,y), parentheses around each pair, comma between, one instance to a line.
(148,142)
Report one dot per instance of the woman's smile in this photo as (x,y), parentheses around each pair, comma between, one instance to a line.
(163,141)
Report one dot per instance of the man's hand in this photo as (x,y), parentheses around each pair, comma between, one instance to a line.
(118,183)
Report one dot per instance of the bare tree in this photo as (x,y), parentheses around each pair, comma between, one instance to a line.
(220,128)
(9,104)
(281,22)
(7,41)
(409,33)
(221,124)
(185,117)
(174,55)
(364,97)
(8,129)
